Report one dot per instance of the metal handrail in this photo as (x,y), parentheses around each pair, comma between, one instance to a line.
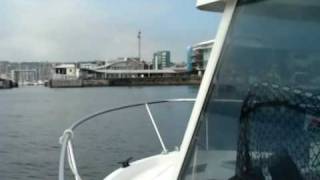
(66,138)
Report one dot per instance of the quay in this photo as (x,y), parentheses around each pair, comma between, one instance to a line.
(148,81)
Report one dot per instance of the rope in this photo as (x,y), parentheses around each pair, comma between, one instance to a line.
(72,161)
(67,148)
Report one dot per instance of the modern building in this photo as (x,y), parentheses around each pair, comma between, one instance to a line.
(26,71)
(24,76)
(4,68)
(138,73)
(198,56)
(91,64)
(161,60)
(128,63)
(15,76)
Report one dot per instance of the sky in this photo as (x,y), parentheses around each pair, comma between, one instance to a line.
(84,30)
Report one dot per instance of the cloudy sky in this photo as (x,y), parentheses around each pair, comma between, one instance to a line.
(79,30)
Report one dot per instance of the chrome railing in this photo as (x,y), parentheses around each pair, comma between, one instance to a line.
(66,138)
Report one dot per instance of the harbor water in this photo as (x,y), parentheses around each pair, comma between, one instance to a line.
(33,118)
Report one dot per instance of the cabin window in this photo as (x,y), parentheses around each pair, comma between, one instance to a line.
(261,119)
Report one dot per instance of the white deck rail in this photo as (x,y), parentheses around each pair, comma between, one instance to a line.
(66,138)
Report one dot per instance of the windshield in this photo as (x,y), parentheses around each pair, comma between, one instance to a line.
(261,119)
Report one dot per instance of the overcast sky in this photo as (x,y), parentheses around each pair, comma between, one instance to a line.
(81,30)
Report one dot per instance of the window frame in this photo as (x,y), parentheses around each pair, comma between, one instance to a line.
(205,88)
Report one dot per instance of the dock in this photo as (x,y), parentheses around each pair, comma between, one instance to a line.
(147,81)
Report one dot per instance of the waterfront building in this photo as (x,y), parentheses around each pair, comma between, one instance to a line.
(133,73)
(43,71)
(66,71)
(26,71)
(4,68)
(161,60)
(198,56)
(15,76)
(91,64)
(24,76)
(127,63)
(119,68)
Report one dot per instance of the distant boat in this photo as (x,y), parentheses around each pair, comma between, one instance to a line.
(40,83)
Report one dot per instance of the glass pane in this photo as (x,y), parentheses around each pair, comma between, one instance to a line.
(261,119)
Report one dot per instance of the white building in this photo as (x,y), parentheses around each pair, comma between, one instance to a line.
(198,56)
(66,71)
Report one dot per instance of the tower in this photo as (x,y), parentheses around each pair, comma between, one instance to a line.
(139,45)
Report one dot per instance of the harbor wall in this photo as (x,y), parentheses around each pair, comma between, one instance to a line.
(65,83)
(95,83)
(156,81)
(188,80)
